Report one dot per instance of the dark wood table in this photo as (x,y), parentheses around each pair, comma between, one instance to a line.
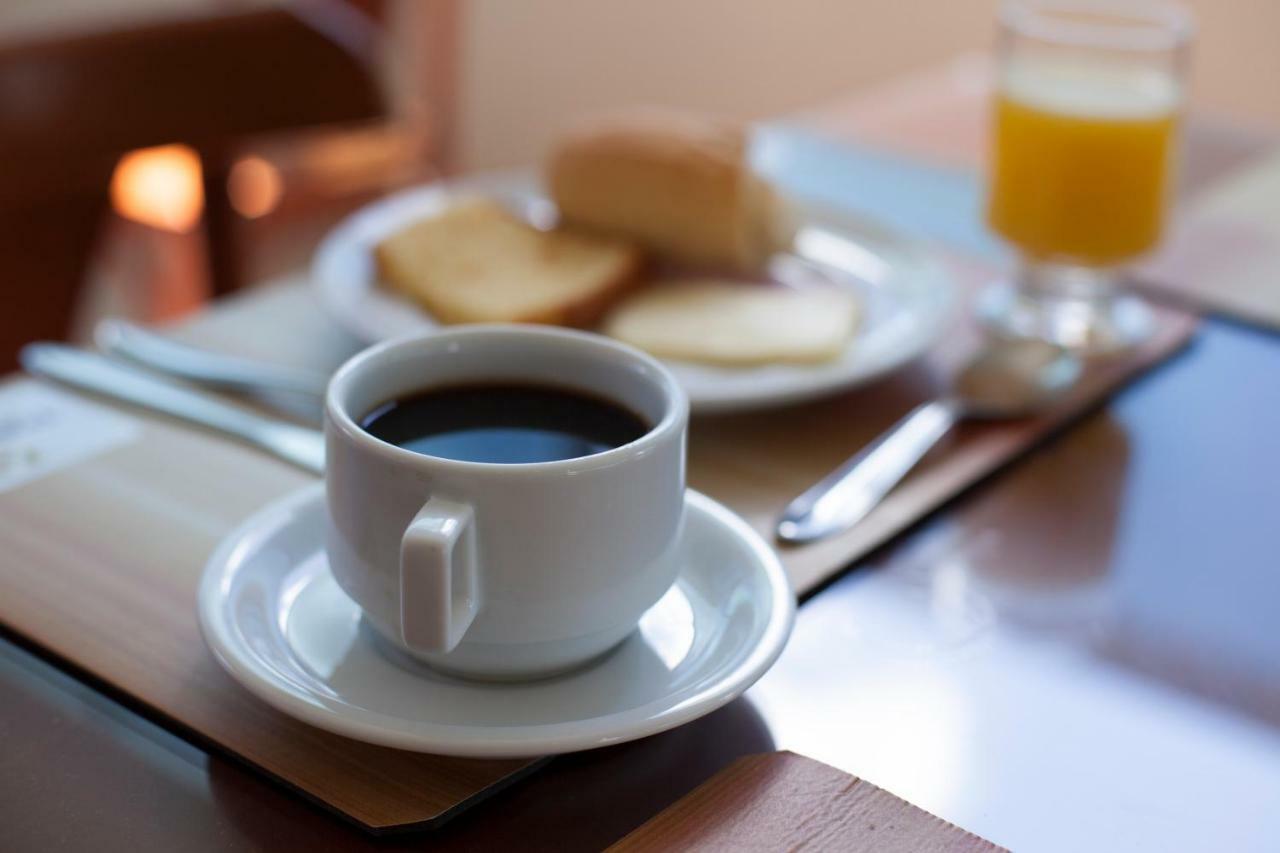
(1080,653)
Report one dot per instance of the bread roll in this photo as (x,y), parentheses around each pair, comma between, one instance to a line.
(736,324)
(678,185)
(478,262)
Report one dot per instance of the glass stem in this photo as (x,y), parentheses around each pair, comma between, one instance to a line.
(1089,288)
(1075,306)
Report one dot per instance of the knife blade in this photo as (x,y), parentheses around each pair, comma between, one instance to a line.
(91,372)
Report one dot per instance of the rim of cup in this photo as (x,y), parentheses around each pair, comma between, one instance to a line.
(676,408)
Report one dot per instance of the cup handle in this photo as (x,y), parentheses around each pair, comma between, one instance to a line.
(439,590)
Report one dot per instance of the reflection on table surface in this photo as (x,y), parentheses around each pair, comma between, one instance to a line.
(1099,672)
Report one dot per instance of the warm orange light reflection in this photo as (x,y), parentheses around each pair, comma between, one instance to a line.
(254,186)
(159,187)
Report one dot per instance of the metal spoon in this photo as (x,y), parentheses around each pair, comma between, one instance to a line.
(1008,380)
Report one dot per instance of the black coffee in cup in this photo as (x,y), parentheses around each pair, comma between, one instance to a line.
(504,422)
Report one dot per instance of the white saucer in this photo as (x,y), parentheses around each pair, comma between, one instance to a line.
(278,622)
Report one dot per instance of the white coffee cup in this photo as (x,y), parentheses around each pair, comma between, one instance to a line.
(494,570)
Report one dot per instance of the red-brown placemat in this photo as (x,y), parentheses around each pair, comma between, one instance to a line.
(784,801)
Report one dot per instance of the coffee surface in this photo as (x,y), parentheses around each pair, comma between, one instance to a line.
(505,423)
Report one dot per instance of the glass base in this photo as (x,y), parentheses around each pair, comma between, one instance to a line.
(1071,307)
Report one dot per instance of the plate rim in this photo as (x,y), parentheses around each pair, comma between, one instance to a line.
(486,741)
(336,244)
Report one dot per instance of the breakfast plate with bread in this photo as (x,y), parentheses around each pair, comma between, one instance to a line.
(651,228)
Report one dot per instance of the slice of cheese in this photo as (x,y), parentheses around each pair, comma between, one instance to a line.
(735,323)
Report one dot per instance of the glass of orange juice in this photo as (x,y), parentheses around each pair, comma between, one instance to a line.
(1086,115)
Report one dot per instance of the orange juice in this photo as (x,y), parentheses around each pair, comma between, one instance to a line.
(1082,161)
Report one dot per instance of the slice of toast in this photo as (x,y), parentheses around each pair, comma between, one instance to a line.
(478,262)
(736,324)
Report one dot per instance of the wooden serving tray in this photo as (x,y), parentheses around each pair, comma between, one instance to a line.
(99,559)
(99,564)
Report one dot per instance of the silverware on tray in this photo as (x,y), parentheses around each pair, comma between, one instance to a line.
(1008,380)
(89,371)
(298,392)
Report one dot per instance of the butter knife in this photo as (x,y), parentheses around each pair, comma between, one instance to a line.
(295,391)
(91,372)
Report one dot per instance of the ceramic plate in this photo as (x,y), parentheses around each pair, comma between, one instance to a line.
(905,293)
(278,622)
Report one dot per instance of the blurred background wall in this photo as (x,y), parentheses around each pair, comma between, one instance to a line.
(529,67)
(156,152)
